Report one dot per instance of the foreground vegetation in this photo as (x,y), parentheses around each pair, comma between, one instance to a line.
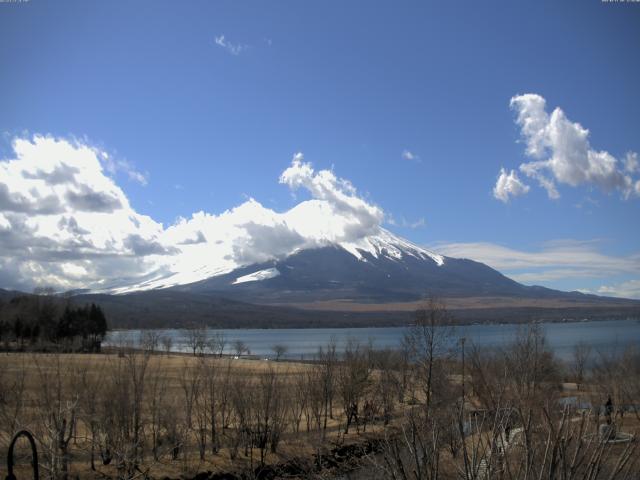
(423,412)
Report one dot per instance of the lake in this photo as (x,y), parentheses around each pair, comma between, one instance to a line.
(602,336)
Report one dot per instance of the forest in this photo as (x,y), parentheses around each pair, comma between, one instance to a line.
(46,322)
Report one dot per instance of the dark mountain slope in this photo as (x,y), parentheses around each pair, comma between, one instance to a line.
(332,273)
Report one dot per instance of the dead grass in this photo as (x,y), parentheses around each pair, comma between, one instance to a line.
(173,367)
(455,303)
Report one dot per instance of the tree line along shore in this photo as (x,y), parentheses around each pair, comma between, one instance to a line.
(46,322)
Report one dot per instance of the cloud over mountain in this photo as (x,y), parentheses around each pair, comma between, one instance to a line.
(359,217)
(64,222)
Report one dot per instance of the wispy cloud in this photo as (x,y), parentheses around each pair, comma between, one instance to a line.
(403,222)
(232,48)
(554,261)
(409,155)
(114,165)
(575,254)
(629,289)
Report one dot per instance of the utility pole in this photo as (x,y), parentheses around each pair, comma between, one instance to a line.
(462,341)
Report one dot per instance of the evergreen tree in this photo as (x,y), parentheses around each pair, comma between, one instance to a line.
(65,324)
(97,325)
(52,320)
(17,328)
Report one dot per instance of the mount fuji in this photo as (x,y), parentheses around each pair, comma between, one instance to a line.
(380,268)
(326,259)
(380,280)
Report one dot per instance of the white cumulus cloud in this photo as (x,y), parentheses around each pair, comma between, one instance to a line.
(508,185)
(562,154)
(64,222)
(631,164)
(359,218)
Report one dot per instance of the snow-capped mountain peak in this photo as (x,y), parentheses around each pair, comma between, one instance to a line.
(387,244)
(218,260)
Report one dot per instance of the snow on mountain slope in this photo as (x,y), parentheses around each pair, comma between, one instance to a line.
(389,245)
(208,263)
(206,246)
(265,274)
(74,228)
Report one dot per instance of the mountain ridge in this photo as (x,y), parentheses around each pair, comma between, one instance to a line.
(377,281)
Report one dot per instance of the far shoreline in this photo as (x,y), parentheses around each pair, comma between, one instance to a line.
(378,326)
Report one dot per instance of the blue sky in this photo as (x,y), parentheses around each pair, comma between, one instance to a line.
(209,101)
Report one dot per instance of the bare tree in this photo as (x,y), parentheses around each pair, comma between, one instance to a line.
(240,398)
(268,412)
(416,452)
(57,406)
(279,350)
(217,343)
(13,393)
(386,385)
(149,340)
(299,399)
(90,389)
(167,343)
(521,434)
(211,400)
(492,413)
(201,410)
(353,381)
(157,404)
(190,382)
(122,415)
(225,386)
(316,405)
(581,355)
(429,341)
(137,369)
(174,429)
(630,380)
(328,360)
(197,340)
(240,348)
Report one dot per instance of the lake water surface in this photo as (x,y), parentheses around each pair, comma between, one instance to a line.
(602,336)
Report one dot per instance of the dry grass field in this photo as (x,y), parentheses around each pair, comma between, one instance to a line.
(173,390)
(460,303)
(127,414)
